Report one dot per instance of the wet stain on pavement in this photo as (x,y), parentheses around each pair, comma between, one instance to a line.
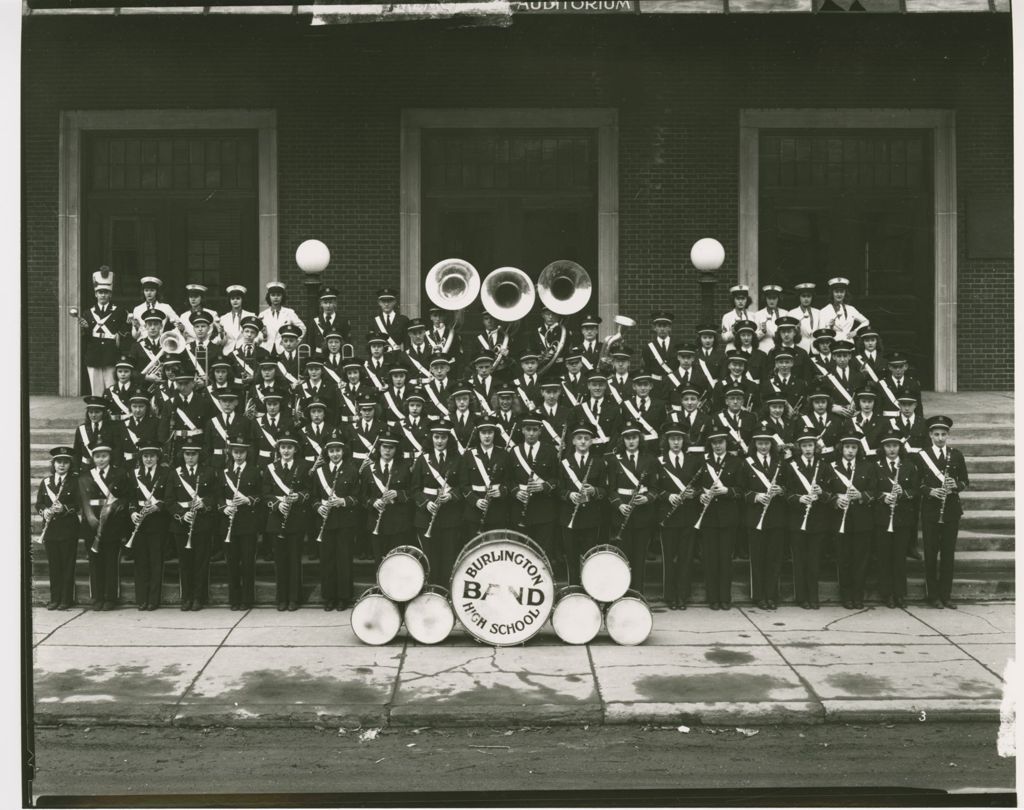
(126,683)
(364,670)
(720,655)
(573,678)
(709,687)
(296,685)
(857,683)
(978,688)
(530,691)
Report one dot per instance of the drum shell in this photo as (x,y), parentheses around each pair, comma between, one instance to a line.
(403,591)
(579,628)
(597,586)
(426,629)
(623,629)
(371,614)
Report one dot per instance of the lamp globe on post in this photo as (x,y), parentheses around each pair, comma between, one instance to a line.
(707,256)
(312,258)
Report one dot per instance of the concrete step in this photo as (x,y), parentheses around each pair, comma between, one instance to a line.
(987,447)
(996,520)
(985,500)
(962,434)
(992,482)
(990,464)
(984,541)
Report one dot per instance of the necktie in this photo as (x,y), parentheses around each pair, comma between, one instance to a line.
(59,482)
(530,455)
(273,423)
(906,424)
(675,461)
(248,351)
(849,469)
(581,461)
(632,460)
(103,474)
(764,462)
(334,359)
(440,459)
(238,471)
(643,403)
(386,470)
(892,468)
(942,458)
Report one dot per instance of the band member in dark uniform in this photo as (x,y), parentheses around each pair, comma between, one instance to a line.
(620,381)
(677,512)
(267,383)
(868,359)
(899,484)
(335,495)
(657,355)
(534,482)
(853,484)
(418,351)
(185,417)
(599,412)
(943,477)
(103,492)
(140,429)
(733,376)
(745,344)
(224,425)
(842,380)
(782,380)
(588,344)
(191,494)
(765,517)
(385,485)
(721,491)
(435,488)
(709,356)
(97,429)
(105,327)
(124,387)
(484,483)
(151,522)
(556,416)
(809,518)
(494,338)
(527,384)
(690,419)
(316,387)
(439,390)
(684,374)
(552,337)
(633,482)
(463,421)
(896,383)
(285,490)
(482,383)
(442,338)
(327,321)
(58,502)
(574,381)
(333,357)
(241,489)
(645,411)
(146,353)
(388,321)
(581,485)
(247,355)
(414,430)
(866,423)
(786,341)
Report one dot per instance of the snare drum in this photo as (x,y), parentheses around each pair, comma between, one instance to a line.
(576,617)
(375,618)
(429,617)
(629,620)
(502,588)
(403,573)
(605,573)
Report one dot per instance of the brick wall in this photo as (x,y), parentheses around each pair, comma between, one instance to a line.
(678,83)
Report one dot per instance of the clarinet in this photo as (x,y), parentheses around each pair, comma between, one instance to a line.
(764,511)
(487,506)
(807,511)
(320,534)
(672,509)
(849,491)
(705,509)
(586,474)
(632,503)
(61,509)
(892,508)
(945,494)
(380,514)
(192,526)
(437,503)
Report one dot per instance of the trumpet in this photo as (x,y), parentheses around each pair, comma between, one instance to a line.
(764,511)
(586,474)
(380,512)
(948,485)
(807,511)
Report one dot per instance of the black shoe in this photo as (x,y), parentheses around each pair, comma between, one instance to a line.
(848,604)
(681,606)
(246,606)
(236,606)
(197,605)
(328,606)
(282,606)
(109,605)
(186,605)
(900,603)
(935,603)
(772,605)
(151,606)
(890,602)
(805,605)
(763,605)
(141,606)
(715,606)
(51,605)
(293,606)
(815,606)
(725,606)
(63,606)
(949,603)
(858,605)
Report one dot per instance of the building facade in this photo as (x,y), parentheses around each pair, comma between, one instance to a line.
(207,147)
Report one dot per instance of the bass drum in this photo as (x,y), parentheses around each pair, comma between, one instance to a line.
(629,620)
(429,617)
(403,572)
(375,618)
(604,572)
(502,589)
(576,617)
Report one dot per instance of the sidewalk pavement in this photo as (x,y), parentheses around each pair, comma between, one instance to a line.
(745,667)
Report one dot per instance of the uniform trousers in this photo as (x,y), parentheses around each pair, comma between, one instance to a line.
(288,566)
(104,579)
(765,561)
(677,559)
(336,565)
(383,543)
(543,534)
(60,558)
(148,558)
(634,542)
(100,379)
(854,549)
(939,549)
(194,566)
(891,552)
(240,555)
(716,546)
(441,548)
(576,543)
(806,564)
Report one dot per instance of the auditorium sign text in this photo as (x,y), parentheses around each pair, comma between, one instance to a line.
(575,6)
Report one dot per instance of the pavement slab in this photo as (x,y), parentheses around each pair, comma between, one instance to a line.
(993,656)
(496,685)
(161,628)
(970,624)
(45,622)
(837,625)
(298,628)
(287,685)
(701,626)
(126,685)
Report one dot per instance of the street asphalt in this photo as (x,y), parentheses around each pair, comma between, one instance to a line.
(745,666)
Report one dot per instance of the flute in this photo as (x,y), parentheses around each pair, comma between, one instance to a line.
(764,511)
(807,511)
(586,473)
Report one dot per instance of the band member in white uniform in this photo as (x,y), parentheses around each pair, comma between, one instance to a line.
(844,318)
(277,315)
(231,321)
(151,301)
(766,316)
(196,294)
(808,315)
(741,311)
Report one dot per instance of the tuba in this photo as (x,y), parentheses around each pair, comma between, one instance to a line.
(508,294)
(564,287)
(453,284)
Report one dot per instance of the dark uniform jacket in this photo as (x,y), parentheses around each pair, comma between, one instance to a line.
(688,378)
(483,390)
(326,392)
(554,428)
(92,499)
(914,432)
(106,330)
(63,526)
(870,431)
(828,433)
(507,432)
(542,506)
(819,472)
(118,397)
(156,522)
(473,487)
(621,487)
(312,438)
(415,438)
(248,518)
(137,434)
(143,352)
(361,440)
(463,435)
(437,399)
(392,403)
(425,487)
(259,390)
(839,388)
(956,468)
(87,436)
(573,390)
(694,423)
(866,365)
(266,435)
(605,420)
(649,414)
(592,513)
(757,366)
(619,390)
(246,370)
(321,326)
(740,427)
(376,375)
(793,388)
(906,387)
(865,480)
(706,364)
(726,382)
(802,368)
(177,499)
(278,483)
(909,478)
(218,432)
(395,330)
(775,516)
(182,419)
(344,483)
(685,515)
(724,511)
(528,392)
(419,362)
(397,516)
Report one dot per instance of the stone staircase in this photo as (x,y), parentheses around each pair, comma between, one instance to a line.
(983,431)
